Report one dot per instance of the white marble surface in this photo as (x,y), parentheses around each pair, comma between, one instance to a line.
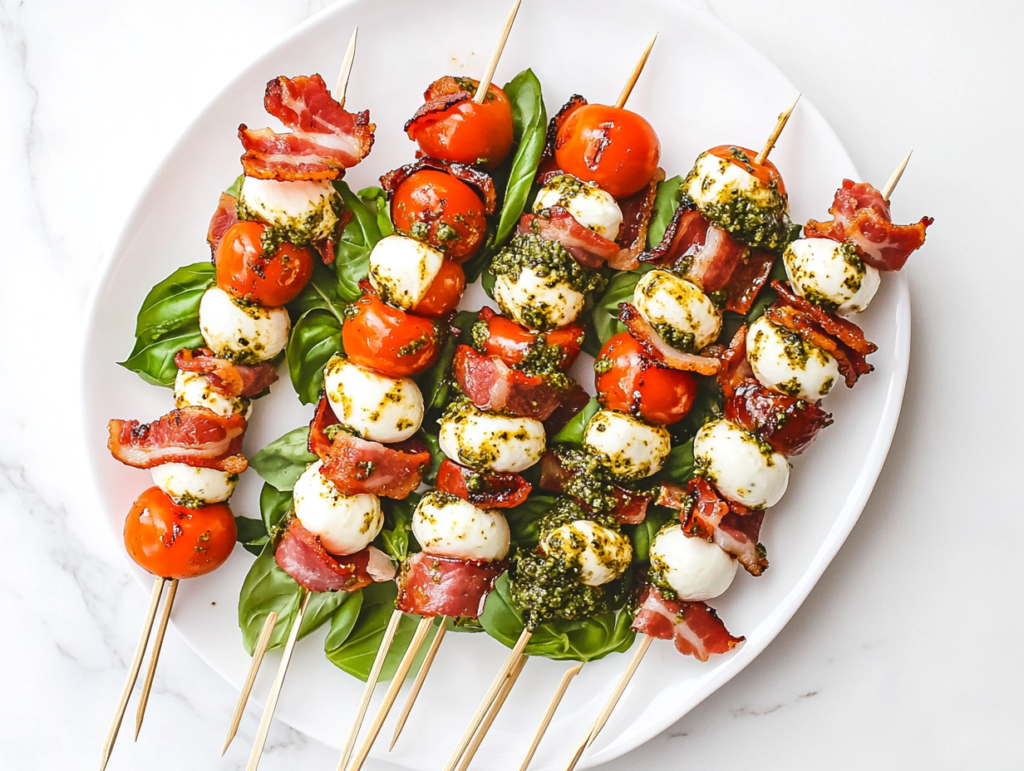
(905,655)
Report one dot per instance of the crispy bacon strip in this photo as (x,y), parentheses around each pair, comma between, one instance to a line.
(659,350)
(222,219)
(441,586)
(735,367)
(788,424)
(490,490)
(548,169)
(442,94)
(861,216)
(848,333)
(195,436)
(556,224)
(323,418)
(572,403)
(478,180)
(631,506)
(636,218)
(226,376)
(694,626)
(493,385)
(301,555)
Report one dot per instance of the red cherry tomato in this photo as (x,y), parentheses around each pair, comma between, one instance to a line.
(614,148)
(444,291)
(765,172)
(630,382)
(467,132)
(245,271)
(442,210)
(173,541)
(510,342)
(388,340)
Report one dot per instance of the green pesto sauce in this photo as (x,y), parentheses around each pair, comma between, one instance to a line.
(417,345)
(681,341)
(300,231)
(545,258)
(546,361)
(546,588)
(603,364)
(588,481)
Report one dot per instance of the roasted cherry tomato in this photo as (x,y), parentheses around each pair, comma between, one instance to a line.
(444,291)
(614,148)
(387,340)
(245,271)
(630,382)
(511,342)
(173,541)
(441,210)
(492,490)
(467,132)
(766,172)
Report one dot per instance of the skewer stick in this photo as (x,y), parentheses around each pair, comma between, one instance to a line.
(346,69)
(636,74)
(546,721)
(421,676)
(485,81)
(262,643)
(133,671)
(779,125)
(371,682)
(275,689)
(422,630)
(154,658)
(492,714)
(492,694)
(895,178)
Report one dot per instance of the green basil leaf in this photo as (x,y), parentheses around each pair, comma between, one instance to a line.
(274,506)
(394,536)
(343,621)
(377,199)
(236,186)
(282,461)
(606,308)
(666,201)
(251,533)
(678,467)
(435,382)
(315,338)
(641,535)
(320,293)
(572,432)
(352,251)
(529,127)
(436,457)
(524,519)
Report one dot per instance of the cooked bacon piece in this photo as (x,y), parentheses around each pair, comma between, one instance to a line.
(493,385)
(631,506)
(225,376)
(659,350)
(548,169)
(443,93)
(788,424)
(735,367)
(222,219)
(694,626)
(848,333)
(490,490)
(358,466)
(685,233)
(301,555)
(636,218)
(195,436)
(511,342)
(556,224)
(572,403)
(323,419)
(478,180)
(441,586)
(861,216)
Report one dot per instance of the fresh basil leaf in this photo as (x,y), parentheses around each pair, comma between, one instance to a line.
(436,457)
(606,308)
(666,201)
(524,519)
(352,250)
(236,186)
(477,265)
(572,432)
(641,535)
(678,468)
(315,338)
(377,199)
(168,322)
(274,506)
(394,536)
(320,293)
(435,382)
(529,128)
(251,533)
(343,621)
(282,461)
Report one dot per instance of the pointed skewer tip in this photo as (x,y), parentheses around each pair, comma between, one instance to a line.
(542,729)
(417,685)
(895,178)
(780,124)
(259,651)
(628,88)
(346,69)
(485,81)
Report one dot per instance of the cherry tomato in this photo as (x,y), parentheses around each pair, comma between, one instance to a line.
(442,210)
(387,340)
(510,342)
(630,382)
(173,541)
(614,148)
(444,291)
(467,132)
(766,172)
(245,271)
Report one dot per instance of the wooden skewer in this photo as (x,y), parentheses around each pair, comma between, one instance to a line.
(133,671)
(421,676)
(154,658)
(262,643)
(346,69)
(546,721)
(275,689)
(492,714)
(485,81)
(492,694)
(636,74)
(895,178)
(422,630)
(779,125)
(371,682)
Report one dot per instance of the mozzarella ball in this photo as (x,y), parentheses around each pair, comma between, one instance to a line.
(379,408)
(591,206)
(194,487)
(484,440)
(715,181)
(743,469)
(402,269)
(304,210)
(345,523)
(830,273)
(626,446)
(240,331)
(538,302)
(447,526)
(683,315)
(785,362)
(693,568)
(602,555)
(193,389)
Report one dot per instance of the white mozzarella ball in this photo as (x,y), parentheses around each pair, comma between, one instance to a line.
(447,526)
(345,523)
(304,210)
(602,555)
(828,272)
(626,446)
(379,408)
(591,206)
(402,270)
(683,315)
(743,469)
(538,302)
(715,181)
(693,568)
(785,362)
(487,441)
(194,487)
(242,332)
(193,389)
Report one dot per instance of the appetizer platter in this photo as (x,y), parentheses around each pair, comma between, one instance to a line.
(543,378)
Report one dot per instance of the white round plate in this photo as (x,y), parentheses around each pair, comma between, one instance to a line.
(703,86)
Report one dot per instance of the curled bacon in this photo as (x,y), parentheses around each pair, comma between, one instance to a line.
(572,403)
(734,365)
(301,555)
(478,180)
(442,94)
(548,169)
(195,436)
(441,586)
(323,419)
(227,377)
(493,385)
(788,424)
(659,350)
(489,490)
(694,626)
(861,216)
(636,218)
(631,506)
(222,219)
(556,224)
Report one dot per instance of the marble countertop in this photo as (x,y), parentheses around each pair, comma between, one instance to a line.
(902,657)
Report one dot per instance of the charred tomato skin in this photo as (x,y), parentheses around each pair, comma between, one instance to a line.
(628,381)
